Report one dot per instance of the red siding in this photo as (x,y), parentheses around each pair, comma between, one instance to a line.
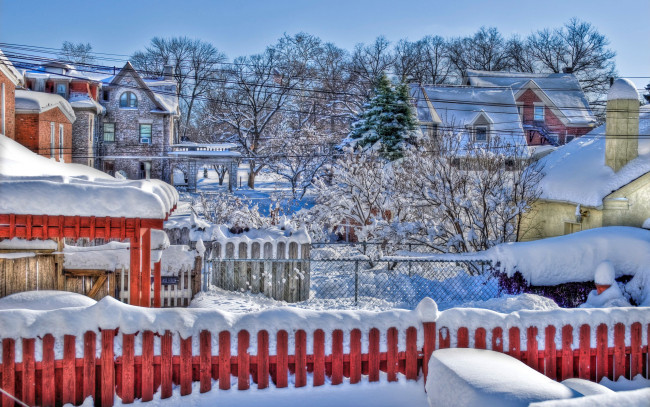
(10,100)
(33,131)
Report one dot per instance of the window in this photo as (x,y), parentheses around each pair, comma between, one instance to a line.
(106,94)
(539,114)
(52,140)
(480,134)
(569,138)
(60,89)
(109,132)
(128,99)
(61,142)
(145,133)
(520,109)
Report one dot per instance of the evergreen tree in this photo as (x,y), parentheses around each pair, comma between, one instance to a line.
(387,122)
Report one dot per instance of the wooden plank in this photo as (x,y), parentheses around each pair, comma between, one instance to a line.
(145,270)
(480,338)
(373,355)
(444,338)
(584,354)
(532,347)
(391,354)
(429,346)
(99,283)
(355,356)
(243,360)
(319,357)
(8,370)
(242,269)
(301,358)
(602,352)
(619,352)
(224,360)
(550,355)
(128,373)
(636,356)
(263,359)
(205,361)
(186,366)
(497,339)
(29,372)
(47,373)
(69,369)
(134,271)
(282,359)
(411,353)
(157,284)
(514,343)
(147,366)
(337,357)
(256,277)
(166,365)
(567,353)
(463,337)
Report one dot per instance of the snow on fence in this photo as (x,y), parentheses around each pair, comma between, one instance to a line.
(176,291)
(109,349)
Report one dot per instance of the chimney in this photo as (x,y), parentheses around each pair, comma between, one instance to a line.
(168,72)
(622,124)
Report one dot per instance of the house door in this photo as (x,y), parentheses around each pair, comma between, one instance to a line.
(109,167)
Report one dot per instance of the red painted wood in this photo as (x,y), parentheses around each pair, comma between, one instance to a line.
(411,353)
(301,358)
(128,369)
(243,360)
(186,366)
(145,276)
(319,357)
(93,225)
(205,361)
(480,341)
(602,351)
(263,360)
(584,358)
(47,373)
(123,229)
(29,373)
(391,354)
(444,338)
(619,351)
(373,355)
(224,360)
(514,343)
(337,357)
(134,271)
(46,230)
(497,339)
(166,365)
(89,365)
(282,359)
(12,234)
(147,366)
(157,285)
(567,352)
(8,370)
(28,230)
(463,337)
(61,226)
(636,356)
(108,368)
(69,370)
(107,228)
(550,355)
(429,346)
(355,356)
(77,226)
(532,348)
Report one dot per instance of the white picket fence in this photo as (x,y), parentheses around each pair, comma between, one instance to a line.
(171,295)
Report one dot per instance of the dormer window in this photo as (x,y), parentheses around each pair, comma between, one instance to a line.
(128,99)
(539,114)
(60,89)
(481,134)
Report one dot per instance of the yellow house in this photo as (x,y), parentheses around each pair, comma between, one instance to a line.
(600,179)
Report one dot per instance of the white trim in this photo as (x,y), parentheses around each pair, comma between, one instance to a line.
(61,143)
(52,141)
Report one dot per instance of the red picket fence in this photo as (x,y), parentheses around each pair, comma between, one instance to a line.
(52,382)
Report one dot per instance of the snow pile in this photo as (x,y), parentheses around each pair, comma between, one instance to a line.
(586,387)
(176,258)
(635,398)
(32,184)
(23,244)
(514,303)
(584,158)
(624,384)
(474,377)
(605,274)
(45,300)
(623,89)
(611,297)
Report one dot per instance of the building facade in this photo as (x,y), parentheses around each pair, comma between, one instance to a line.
(10,78)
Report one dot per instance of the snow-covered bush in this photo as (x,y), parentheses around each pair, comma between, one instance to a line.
(231,210)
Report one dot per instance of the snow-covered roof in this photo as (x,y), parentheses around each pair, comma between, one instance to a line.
(9,70)
(461,107)
(84,101)
(562,90)
(28,101)
(32,184)
(161,92)
(576,172)
(622,89)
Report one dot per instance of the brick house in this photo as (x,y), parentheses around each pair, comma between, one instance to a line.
(139,125)
(10,78)
(553,109)
(43,123)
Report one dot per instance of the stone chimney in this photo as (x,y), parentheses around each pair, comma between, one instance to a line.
(168,72)
(622,124)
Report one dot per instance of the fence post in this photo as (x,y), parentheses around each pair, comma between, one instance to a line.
(356,282)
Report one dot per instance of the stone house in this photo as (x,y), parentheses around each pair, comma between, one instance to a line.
(139,125)
(44,124)
(10,78)
(600,179)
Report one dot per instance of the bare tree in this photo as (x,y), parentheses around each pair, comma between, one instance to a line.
(520,57)
(77,53)
(485,50)
(369,63)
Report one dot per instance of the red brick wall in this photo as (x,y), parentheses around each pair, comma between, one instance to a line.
(33,131)
(10,101)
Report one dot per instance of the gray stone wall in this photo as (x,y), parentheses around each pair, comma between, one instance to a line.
(126,151)
(82,137)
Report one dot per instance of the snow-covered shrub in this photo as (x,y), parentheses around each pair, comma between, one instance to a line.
(231,210)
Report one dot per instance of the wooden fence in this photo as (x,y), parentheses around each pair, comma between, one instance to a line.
(70,380)
(176,293)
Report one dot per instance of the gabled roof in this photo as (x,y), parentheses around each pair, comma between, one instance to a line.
(576,172)
(28,101)
(563,91)
(129,70)
(8,69)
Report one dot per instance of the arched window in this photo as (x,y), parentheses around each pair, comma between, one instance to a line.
(128,99)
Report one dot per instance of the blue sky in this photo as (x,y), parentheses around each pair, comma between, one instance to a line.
(245,27)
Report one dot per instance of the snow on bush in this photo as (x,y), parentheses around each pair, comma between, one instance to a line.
(611,297)
(474,377)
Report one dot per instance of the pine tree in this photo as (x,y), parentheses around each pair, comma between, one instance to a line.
(387,123)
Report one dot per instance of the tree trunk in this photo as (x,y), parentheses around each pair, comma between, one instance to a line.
(251,176)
